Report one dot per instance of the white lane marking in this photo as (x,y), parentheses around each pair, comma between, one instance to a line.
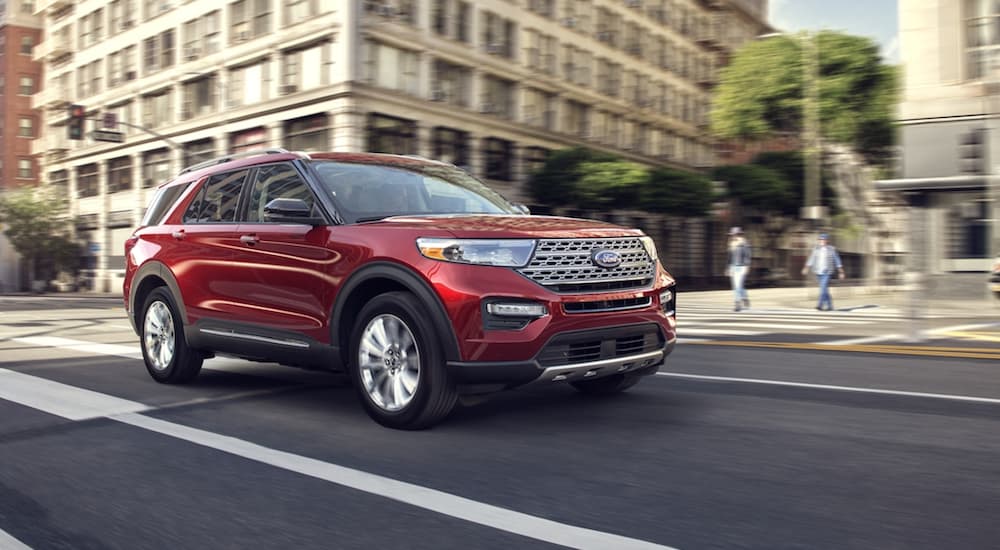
(60,399)
(740,317)
(960,328)
(683,340)
(414,495)
(944,396)
(131,352)
(776,326)
(698,331)
(77,403)
(8,542)
(858,341)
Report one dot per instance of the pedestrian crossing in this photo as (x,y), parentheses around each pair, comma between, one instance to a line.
(700,322)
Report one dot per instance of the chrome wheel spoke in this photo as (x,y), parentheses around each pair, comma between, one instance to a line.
(158,337)
(389,362)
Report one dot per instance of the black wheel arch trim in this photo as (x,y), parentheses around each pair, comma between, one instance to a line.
(412,282)
(161,271)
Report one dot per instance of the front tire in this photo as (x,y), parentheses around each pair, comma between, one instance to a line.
(168,358)
(398,366)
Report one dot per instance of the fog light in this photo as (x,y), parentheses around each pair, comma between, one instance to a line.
(666,296)
(516,309)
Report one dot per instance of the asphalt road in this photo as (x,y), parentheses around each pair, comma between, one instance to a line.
(729,447)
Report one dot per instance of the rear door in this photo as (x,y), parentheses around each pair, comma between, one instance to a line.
(206,245)
(285,269)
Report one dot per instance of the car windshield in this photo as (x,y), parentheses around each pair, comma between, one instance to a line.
(367,192)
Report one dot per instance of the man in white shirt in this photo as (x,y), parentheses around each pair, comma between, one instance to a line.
(823,261)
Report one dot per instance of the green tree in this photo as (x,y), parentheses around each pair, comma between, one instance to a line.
(761,92)
(756,188)
(792,165)
(677,193)
(557,181)
(39,233)
(610,184)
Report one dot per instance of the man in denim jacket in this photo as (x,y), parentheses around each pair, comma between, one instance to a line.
(823,261)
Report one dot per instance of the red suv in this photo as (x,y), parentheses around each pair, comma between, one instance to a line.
(409,274)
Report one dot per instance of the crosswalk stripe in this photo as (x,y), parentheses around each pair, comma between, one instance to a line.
(704,318)
(776,326)
(698,331)
(131,352)
(60,399)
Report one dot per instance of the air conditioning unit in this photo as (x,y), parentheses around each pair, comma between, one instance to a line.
(288,89)
(191,53)
(604,36)
(438,95)
(488,108)
(569,22)
(494,48)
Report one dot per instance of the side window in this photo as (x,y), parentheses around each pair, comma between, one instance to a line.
(217,200)
(277,181)
(161,203)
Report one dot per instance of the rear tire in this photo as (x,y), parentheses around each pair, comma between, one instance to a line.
(397,364)
(616,383)
(165,351)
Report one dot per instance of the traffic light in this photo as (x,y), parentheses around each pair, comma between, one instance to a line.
(77,116)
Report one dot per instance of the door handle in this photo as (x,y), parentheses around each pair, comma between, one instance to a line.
(249,240)
(179,234)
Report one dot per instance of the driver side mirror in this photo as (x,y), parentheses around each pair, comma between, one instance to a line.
(291,211)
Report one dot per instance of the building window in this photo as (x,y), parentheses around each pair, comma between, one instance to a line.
(295,79)
(202,36)
(545,8)
(199,151)
(538,109)
(451,145)
(982,22)
(199,97)
(968,226)
(254,138)
(388,134)
(249,19)
(27,6)
(158,52)
(153,8)
(309,133)
(498,35)
(155,167)
(534,159)
(27,43)
(401,10)
(391,68)
(451,83)
(119,174)
(248,84)
(25,169)
(575,121)
(26,85)
(298,11)
(498,97)
(498,154)
(86,181)
(156,109)
(26,127)
(59,180)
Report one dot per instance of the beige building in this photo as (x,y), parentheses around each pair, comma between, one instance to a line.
(491,85)
(950,135)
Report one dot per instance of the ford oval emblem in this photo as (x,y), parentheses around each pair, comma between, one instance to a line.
(607,259)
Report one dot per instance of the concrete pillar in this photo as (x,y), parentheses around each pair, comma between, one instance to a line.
(275,135)
(138,191)
(424,146)
(102,279)
(477,165)
(348,127)
(425,75)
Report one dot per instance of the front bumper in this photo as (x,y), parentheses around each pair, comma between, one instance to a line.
(554,365)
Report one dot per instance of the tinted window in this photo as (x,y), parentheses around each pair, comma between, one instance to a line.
(368,191)
(164,198)
(277,181)
(217,200)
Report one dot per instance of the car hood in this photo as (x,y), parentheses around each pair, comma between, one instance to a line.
(513,227)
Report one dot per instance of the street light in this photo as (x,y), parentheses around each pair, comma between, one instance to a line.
(812,208)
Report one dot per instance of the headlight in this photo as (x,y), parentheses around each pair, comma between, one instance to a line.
(499,252)
(650,246)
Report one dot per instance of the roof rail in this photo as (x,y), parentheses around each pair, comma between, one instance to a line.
(234,156)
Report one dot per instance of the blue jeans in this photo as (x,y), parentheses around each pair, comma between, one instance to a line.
(824,290)
(738,276)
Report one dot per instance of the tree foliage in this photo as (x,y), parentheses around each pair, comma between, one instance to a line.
(557,181)
(758,188)
(761,92)
(613,184)
(677,193)
(38,232)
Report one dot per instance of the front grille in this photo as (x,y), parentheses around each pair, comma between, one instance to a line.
(595,345)
(564,265)
(607,305)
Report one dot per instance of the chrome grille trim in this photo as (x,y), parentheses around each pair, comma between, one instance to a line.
(559,262)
